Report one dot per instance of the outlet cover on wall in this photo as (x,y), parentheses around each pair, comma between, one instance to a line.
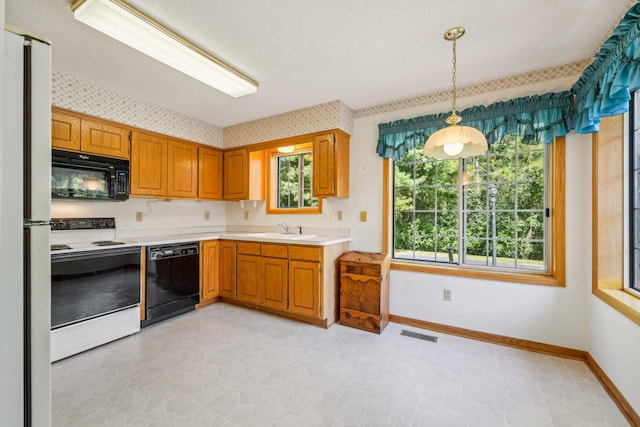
(339,215)
(363,216)
(207,215)
(446,295)
(246,215)
(138,216)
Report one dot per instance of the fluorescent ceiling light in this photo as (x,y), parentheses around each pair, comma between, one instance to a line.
(128,25)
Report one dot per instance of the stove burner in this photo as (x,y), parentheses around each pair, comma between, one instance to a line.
(59,247)
(106,243)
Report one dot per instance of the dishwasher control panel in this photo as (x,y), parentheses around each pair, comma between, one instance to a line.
(173,251)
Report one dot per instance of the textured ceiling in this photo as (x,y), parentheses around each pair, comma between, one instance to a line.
(307,52)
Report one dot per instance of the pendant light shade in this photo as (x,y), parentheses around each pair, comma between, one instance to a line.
(455,142)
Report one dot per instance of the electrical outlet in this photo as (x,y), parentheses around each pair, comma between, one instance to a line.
(138,216)
(246,215)
(207,215)
(339,215)
(363,216)
(446,295)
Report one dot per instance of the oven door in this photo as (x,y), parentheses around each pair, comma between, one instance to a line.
(89,284)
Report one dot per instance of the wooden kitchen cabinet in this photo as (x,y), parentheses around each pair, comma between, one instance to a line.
(104,138)
(331,165)
(209,270)
(248,268)
(305,292)
(209,173)
(148,164)
(236,174)
(364,290)
(227,265)
(243,174)
(274,276)
(304,288)
(163,167)
(65,130)
(291,280)
(182,177)
(76,132)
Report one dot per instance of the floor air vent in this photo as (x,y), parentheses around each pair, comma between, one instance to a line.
(419,336)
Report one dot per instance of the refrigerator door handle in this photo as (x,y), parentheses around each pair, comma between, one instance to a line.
(29,223)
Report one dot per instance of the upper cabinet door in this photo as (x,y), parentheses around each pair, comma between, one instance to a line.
(209,173)
(182,180)
(331,165)
(65,130)
(324,165)
(236,174)
(104,138)
(148,165)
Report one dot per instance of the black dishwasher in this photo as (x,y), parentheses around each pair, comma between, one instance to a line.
(172,281)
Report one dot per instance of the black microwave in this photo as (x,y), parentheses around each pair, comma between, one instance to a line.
(80,176)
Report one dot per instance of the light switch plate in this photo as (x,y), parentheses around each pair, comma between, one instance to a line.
(363,216)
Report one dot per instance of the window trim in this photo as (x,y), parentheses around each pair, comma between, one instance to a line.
(272,184)
(609,285)
(556,276)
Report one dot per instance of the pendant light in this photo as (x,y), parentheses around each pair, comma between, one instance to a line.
(455,142)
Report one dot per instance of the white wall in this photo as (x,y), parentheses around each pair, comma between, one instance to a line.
(615,346)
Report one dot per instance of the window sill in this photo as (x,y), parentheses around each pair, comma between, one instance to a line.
(545,279)
(622,301)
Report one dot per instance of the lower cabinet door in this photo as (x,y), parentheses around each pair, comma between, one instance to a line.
(248,270)
(304,288)
(227,275)
(209,266)
(273,289)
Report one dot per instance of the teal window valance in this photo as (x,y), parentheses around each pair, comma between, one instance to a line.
(537,119)
(605,87)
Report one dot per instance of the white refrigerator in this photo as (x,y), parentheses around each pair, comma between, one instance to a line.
(25,206)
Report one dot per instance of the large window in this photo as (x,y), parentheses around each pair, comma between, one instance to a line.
(491,211)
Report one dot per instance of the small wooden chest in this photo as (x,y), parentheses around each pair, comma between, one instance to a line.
(364,290)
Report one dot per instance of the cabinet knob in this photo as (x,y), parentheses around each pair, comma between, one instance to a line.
(341,293)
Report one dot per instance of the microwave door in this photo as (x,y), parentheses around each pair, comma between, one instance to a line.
(80,182)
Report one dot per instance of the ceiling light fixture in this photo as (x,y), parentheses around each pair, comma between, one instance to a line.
(128,25)
(286,149)
(455,142)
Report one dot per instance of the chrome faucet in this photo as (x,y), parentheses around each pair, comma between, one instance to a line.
(284,226)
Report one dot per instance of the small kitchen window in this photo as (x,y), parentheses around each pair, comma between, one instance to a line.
(290,172)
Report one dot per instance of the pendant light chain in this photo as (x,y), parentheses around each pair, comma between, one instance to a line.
(453,78)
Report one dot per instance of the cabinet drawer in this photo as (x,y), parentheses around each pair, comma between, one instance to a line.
(361,320)
(249,248)
(305,253)
(274,250)
(372,270)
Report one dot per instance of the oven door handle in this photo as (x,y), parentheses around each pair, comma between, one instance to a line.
(90,254)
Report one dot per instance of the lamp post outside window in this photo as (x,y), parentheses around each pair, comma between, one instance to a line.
(493,192)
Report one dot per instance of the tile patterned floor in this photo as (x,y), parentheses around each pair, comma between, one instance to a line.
(229,366)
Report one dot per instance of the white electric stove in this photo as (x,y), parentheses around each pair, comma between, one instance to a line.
(95,285)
